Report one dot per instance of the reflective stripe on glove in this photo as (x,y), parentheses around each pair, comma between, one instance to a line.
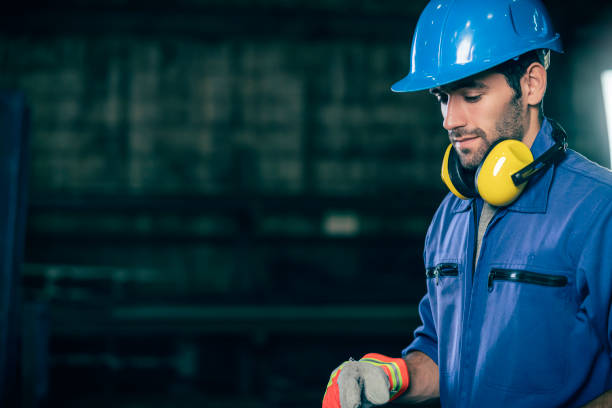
(373,380)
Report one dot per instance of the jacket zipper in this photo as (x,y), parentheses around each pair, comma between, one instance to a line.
(513,275)
(445,269)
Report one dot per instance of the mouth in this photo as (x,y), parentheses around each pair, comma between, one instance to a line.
(464,142)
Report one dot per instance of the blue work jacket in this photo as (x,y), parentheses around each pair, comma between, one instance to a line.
(531,324)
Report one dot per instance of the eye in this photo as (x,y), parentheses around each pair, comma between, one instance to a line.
(472,98)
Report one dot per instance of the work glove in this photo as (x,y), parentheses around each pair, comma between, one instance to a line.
(373,380)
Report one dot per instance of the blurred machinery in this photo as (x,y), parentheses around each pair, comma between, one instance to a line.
(131,330)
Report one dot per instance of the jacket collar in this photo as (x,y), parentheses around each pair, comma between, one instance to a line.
(534,198)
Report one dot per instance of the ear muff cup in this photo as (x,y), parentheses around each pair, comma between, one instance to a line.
(458,180)
(493,177)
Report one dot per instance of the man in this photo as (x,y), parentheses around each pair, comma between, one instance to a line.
(518,257)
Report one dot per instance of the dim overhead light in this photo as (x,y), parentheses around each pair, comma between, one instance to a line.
(341,224)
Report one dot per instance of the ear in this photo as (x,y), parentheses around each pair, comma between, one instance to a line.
(533,83)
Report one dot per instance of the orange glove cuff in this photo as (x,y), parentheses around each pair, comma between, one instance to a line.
(396,370)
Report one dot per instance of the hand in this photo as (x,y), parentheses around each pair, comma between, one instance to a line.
(373,380)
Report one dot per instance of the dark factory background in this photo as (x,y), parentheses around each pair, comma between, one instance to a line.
(224,199)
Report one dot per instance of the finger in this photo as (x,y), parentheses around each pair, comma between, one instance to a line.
(376,384)
(350,385)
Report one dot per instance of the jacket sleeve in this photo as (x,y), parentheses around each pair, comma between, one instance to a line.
(425,336)
(596,264)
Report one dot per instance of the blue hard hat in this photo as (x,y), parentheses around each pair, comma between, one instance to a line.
(455,39)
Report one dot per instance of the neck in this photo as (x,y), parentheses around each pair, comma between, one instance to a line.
(532,126)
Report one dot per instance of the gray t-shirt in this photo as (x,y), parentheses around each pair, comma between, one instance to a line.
(487,213)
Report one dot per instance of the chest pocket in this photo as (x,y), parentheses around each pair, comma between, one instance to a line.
(441,271)
(527,316)
(443,285)
(518,276)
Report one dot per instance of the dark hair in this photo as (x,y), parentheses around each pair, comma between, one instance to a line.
(514,69)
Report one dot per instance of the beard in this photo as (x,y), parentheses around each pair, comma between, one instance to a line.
(509,126)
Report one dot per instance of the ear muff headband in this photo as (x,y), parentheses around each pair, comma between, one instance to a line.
(547,158)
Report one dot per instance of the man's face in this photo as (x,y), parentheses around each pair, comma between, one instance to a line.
(478,111)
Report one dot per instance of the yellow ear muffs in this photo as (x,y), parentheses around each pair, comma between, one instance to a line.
(494,175)
(504,171)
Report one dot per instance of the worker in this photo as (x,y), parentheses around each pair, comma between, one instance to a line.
(518,256)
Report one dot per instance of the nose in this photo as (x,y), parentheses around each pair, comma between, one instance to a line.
(453,114)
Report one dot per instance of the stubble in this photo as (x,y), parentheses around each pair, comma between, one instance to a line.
(509,126)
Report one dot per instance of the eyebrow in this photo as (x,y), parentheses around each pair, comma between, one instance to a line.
(465,83)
